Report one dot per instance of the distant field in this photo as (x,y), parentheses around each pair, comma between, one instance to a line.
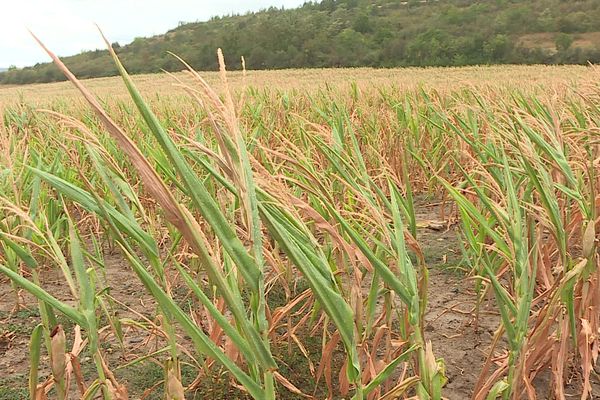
(441,79)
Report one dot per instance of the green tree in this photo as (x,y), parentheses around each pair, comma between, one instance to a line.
(563,41)
(362,24)
(498,48)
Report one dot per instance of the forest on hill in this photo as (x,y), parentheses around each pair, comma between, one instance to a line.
(352,33)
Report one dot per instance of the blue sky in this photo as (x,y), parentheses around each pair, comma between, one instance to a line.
(67,26)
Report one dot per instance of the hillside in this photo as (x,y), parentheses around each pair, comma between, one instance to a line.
(350,33)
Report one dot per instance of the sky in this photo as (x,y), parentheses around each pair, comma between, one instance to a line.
(67,27)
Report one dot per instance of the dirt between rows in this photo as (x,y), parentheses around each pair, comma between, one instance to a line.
(458,336)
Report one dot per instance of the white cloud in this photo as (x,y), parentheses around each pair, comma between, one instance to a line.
(67,26)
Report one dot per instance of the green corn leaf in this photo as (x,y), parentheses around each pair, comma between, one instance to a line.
(21,252)
(46,297)
(86,291)
(229,330)
(388,370)
(200,339)
(35,343)
(386,274)
(333,303)
(88,202)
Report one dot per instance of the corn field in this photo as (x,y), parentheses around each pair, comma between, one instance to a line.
(277,238)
